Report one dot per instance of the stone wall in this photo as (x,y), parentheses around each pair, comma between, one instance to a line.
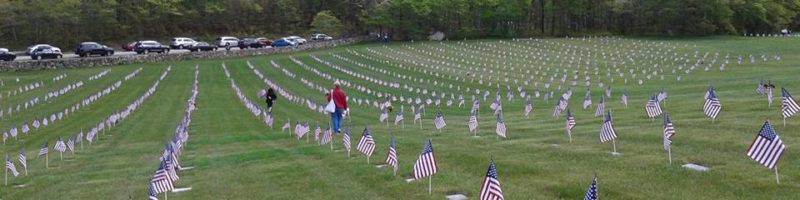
(153,58)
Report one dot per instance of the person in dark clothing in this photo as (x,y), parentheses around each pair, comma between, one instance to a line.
(270,98)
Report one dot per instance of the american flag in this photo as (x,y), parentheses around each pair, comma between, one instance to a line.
(712,106)
(767,147)
(346,139)
(561,104)
(10,166)
(475,105)
(528,106)
(268,118)
(384,115)
(298,129)
(317,132)
(652,107)
(669,131)
(327,136)
(494,104)
(490,190)
(439,120)
(366,145)
(71,144)
(426,163)
(161,182)
(587,101)
(769,96)
(391,157)
(624,98)
(398,117)
(286,126)
(22,159)
(570,121)
(43,150)
(60,146)
(608,91)
(501,127)
(591,193)
(152,195)
(601,107)
(472,123)
(788,105)
(417,114)
(662,95)
(607,132)
(760,88)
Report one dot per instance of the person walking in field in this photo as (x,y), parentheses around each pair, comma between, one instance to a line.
(340,100)
(270,98)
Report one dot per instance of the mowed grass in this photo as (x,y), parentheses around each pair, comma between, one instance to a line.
(234,155)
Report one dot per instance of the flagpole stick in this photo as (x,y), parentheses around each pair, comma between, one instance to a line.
(777,179)
(784,122)
(614,141)
(430,184)
(569,132)
(6,176)
(47,160)
(669,152)
(61,155)
(367,159)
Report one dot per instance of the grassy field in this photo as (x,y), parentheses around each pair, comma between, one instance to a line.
(234,155)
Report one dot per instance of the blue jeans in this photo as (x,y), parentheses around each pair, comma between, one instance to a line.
(336,120)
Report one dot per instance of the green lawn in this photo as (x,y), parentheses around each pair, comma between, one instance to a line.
(234,155)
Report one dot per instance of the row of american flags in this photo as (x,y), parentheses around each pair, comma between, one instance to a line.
(61,146)
(166,174)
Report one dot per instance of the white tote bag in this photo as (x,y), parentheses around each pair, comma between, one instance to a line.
(331,107)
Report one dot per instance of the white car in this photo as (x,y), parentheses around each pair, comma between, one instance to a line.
(181,43)
(227,42)
(296,39)
(31,48)
(45,52)
(320,36)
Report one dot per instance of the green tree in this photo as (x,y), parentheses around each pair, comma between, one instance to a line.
(326,22)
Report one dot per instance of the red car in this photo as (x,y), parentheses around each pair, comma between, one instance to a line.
(264,41)
(129,46)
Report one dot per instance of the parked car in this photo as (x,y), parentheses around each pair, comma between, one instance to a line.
(6,55)
(227,42)
(145,47)
(181,42)
(249,43)
(93,48)
(264,41)
(283,42)
(30,49)
(296,39)
(202,46)
(320,36)
(129,46)
(45,52)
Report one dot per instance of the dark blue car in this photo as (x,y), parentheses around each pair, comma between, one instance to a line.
(282,43)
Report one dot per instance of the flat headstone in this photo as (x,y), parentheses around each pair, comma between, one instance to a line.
(456,197)
(20,186)
(696,167)
(176,190)
(186,168)
(616,153)
(409,180)
(555,145)
(380,166)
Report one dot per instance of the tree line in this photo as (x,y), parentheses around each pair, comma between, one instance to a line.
(67,22)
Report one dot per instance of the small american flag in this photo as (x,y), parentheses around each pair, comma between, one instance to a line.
(472,123)
(490,190)
(652,107)
(417,114)
(10,166)
(662,95)
(607,132)
(788,105)
(501,127)
(317,132)
(286,126)
(494,104)
(591,193)
(22,159)
(624,98)
(570,121)
(475,105)
(760,88)
(669,131)
(346,139)
(43,150)
(366,145)
(608,91)
(327,137)
(712,106)
(384,115)
(587,101)
(161,182)
(769,96)
(601,107)
(60,146)
(439,121)
(398,117)
(426,163)
(71,144)
(528,106)
(391,157)
(767,147)
(561,104)
(268,118)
